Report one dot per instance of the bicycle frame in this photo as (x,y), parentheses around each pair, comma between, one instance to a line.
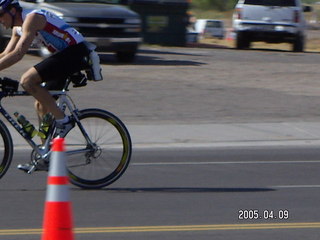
(64,103)
(44,151)
(87,144)
(14,123)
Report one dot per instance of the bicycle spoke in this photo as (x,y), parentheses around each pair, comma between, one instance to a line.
(105,158)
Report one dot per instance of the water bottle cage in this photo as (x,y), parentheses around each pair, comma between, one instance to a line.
(8,85)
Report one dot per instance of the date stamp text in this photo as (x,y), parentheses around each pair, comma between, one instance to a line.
(255,214)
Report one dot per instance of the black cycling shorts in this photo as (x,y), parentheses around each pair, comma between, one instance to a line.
(55,69)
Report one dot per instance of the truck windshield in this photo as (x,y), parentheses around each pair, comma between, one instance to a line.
(282,3)
(214,24)
(83,1)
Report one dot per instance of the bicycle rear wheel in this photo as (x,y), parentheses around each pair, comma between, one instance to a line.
(105,159)
(6,149)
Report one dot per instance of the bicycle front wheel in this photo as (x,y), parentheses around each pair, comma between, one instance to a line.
(6,149)
(100,154)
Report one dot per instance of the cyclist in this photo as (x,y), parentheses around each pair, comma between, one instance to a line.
(71,54)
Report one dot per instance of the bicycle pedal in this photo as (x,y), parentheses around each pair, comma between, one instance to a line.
(32,169)
(27,168)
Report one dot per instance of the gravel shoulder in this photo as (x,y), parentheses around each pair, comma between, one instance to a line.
(200,85)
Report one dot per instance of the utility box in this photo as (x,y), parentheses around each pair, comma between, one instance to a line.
(163,22)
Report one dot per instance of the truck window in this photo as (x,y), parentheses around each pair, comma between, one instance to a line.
(214,24)
(282,3)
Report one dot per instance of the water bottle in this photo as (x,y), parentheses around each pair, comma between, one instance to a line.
(26,125)
(94,62)
(45,125)
(95,66)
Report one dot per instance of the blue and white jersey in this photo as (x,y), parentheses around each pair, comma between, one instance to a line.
(57,34)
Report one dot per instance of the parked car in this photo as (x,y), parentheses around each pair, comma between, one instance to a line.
(271,21)
(112,28)
(210,27)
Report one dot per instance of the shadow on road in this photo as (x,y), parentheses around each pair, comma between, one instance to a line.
(145,59)
(189,190)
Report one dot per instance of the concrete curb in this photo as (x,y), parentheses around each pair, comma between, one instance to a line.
(217,135)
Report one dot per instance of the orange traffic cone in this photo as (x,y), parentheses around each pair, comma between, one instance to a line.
(57,224)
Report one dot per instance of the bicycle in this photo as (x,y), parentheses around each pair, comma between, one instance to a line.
(98,148)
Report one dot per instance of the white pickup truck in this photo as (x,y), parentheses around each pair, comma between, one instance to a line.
(271,21)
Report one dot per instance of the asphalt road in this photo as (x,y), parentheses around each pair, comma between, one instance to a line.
(190,194)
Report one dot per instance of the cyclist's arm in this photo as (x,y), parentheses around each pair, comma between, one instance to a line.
(12,43)
(17,50)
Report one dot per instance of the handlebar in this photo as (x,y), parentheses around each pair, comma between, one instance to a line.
(8,85)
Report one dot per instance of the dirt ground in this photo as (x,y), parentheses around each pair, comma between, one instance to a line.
(312,44)
(199,85)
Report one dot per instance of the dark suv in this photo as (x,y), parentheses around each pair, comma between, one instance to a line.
(112,28)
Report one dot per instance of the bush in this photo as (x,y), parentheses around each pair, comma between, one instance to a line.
(225,5)
(219,5)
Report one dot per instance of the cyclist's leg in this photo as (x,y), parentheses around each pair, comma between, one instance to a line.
(31,81)
(54,70)
(40,110)
(52,85)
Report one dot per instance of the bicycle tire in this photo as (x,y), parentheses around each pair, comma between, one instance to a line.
(6,149)
(93,170)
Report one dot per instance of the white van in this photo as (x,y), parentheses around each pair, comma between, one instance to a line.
(271,21)
(210,27)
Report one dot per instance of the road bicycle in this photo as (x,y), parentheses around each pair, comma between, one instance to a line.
(98,148)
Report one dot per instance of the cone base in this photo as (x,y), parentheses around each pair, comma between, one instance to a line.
(57,222)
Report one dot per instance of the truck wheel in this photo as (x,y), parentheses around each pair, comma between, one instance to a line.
(298,44)
(242,41)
